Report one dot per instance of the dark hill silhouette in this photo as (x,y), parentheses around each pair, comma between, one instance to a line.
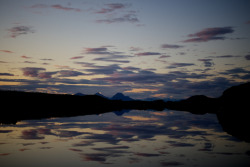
(28,105)
(232,108)
(120,96)
(79,94)
(101,95)
(234,111)
(198,104)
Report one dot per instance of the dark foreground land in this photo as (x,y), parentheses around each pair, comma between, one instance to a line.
(232,108)
(26,105)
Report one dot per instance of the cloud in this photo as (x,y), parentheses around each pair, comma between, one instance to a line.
(60,7)
(69,73)
(164,56)
(104,69)
(101,50)
(111,7)
(112,56)
(147,155)
(169,46)
(25,57)
(111,59)
(56,6)
(131,18)
(6,74)
(209,34)
(177,65)
(247,57)
(180,144)
(20,30)
(47,59)
(238,73)
(134,49)
(46,75)
(111,16)
(76,57)
(224,56)
(30,62)
(148,54)
(32,71)
(207,62)
(31,135)
(40,73)
(6,51)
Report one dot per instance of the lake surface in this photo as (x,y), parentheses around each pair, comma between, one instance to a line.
(128,138)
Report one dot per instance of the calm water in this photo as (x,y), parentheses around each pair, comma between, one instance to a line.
(135,138)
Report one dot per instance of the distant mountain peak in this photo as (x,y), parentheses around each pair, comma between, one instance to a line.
(101,95)
(121,96)
(79,94)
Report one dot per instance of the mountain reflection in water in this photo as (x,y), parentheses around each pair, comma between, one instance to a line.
(135,138)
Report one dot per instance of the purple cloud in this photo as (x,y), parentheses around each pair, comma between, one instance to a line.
(176,65)
(164,56)
(60,7)
(111,7)
(224,56)
(69,73)
(56,6)
(247,57)
(20,30)
(32,71)
(132,18)
(101,50)
(76,57)
(25,57)
(6,51)
(147,54)
(207,62)
(31,134)
(168,46)
(46,75)
(209,34)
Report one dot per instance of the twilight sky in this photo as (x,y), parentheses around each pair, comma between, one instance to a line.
(143,48)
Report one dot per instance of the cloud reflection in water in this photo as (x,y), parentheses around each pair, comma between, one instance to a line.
(136,138)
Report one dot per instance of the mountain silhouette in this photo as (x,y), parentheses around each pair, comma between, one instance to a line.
(232,108)
(120,96)
(79,94)
(101,95)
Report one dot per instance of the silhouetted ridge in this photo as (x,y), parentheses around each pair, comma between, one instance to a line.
(28,105)
(232,108)
(120,96)
(198,104)
(234,111)
(101,95)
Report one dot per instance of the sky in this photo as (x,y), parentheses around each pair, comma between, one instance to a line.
(142,48)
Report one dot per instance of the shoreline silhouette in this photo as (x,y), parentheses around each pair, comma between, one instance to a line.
(231,108)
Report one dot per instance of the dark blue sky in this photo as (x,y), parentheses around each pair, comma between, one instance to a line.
(143,48)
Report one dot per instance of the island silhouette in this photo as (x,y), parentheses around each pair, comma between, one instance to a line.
(232,108)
